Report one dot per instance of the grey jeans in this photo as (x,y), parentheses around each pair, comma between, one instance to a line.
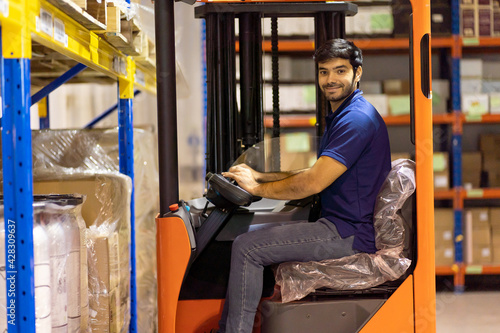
(253,250)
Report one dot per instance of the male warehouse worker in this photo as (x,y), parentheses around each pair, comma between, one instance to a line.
(353,162)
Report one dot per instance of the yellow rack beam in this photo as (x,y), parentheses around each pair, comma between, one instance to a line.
(54,29)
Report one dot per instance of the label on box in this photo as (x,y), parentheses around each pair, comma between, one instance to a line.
(440,181)
(60,32)
(4,7)
(439,162)
(483,216)
(44,22)
(485,252)
(139,77)
(448,253)
(447,235)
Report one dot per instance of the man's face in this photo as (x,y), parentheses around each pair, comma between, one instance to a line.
(336,79)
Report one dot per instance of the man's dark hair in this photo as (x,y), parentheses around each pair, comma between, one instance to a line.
(339,48)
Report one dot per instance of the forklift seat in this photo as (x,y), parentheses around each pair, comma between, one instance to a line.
(393,222)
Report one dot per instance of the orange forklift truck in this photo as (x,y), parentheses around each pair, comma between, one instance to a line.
(194,238)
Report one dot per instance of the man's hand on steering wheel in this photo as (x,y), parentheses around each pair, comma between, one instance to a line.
(244,176)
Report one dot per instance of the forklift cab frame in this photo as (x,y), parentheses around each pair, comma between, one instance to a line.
(411,308)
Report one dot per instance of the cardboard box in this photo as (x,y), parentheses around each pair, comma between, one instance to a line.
(481,236)
(471,68)
(496,254)
(485,17)
(471,86)
(491,161)
(471,169)
(441,171)
(493,178)
(444,218)
(481,255)
(107,203)
(495,27)
(106,315)
(396,87)
(445,256)
(371,87)
(380,102)
(469,25)
(107,262)
(491,70)
(491,85)
(372,20)
(480,217)
(475,104)
(494,102)
(495,242)
(495,218)
(489,143)
(444,225)
(399,105)
(495,236)
(477,236)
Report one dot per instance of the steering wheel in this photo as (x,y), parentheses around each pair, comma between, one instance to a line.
(225,194)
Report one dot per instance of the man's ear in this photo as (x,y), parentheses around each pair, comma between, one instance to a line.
(359,72)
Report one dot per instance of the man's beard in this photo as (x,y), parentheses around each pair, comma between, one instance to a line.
(344,95)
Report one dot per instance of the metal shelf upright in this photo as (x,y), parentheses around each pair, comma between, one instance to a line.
(456,149)
(17,170)
(20,28)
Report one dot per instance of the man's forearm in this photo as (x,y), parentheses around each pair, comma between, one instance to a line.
(296,185)
(265,177)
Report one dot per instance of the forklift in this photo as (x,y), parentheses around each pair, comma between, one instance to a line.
(194,238)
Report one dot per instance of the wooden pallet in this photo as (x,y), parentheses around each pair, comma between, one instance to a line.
(147,58)
(122,33)
(89,13)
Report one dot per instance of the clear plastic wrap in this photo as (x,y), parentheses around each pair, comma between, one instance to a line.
(67,234)
(362,270)
(42,274)
(60,269)
(86,161)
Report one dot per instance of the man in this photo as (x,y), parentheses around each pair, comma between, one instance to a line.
(353,161)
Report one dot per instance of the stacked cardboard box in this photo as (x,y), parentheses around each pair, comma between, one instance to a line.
(495,233)
(398,96)
(477,18)
(471,169)
(444,231)
(373,20)
(477,236)
(108,220)
(441,171)
(474,101)
(490,149)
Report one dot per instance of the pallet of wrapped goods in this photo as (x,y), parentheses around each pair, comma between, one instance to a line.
(123,31)
(89,13)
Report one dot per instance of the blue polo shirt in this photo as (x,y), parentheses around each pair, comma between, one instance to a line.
(356,136)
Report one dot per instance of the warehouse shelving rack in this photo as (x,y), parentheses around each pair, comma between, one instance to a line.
(25,23)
